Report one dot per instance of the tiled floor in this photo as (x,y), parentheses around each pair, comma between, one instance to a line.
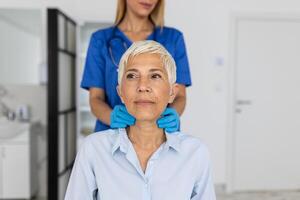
(273,195)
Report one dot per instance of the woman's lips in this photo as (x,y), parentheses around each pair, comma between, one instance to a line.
(146,5)
(144,102)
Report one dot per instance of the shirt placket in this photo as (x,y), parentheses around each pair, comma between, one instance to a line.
(147,179)
(147,176)
(150,172)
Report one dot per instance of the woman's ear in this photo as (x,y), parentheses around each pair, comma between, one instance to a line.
(119,93)
(173,92)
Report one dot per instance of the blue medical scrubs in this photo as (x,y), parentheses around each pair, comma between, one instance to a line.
(101,72)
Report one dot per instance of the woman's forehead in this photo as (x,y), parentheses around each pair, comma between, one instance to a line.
(145,60)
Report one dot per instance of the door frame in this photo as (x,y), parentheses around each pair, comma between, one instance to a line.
(235,18)
(53,101)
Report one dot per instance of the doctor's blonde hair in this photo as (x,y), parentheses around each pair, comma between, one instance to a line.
(157,15)
(148,47)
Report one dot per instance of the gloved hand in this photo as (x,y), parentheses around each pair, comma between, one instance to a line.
(169,120)
(120,118)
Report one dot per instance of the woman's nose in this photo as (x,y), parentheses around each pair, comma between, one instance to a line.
(144,86)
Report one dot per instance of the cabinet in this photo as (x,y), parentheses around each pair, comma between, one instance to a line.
(15,171)
(17,167)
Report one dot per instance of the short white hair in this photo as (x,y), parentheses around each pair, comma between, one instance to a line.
(152,47)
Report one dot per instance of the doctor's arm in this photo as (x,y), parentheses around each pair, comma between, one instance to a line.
(180,99)
(94,80)
(183,78)
(99,107)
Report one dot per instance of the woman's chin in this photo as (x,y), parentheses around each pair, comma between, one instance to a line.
(144,118)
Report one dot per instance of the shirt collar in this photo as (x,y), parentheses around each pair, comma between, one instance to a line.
(122,141)
(173,140)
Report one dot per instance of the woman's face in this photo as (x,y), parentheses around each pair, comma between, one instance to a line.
(145,89)
(141,8)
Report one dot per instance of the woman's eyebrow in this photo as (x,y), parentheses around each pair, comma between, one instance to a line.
(132,70)
(156,69)
(151,70)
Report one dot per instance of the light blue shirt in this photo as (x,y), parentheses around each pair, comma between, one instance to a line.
(107,168)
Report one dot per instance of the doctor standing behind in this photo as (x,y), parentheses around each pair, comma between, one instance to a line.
(135,20)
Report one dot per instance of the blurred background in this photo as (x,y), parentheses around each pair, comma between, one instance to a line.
(245,66)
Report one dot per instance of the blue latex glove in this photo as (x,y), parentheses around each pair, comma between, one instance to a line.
(120,118)
(169,120)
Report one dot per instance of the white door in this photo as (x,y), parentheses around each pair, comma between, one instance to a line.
(1,171)
(266,131)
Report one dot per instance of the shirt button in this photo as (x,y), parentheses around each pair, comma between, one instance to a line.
(146,181)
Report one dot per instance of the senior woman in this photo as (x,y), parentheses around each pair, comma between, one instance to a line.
(143,162)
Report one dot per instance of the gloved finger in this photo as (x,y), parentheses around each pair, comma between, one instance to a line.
(168,125)
(171,130)
(125,113)
(118,125)
(166,119)
(127,123)
(122,108)
(124,117)
(168,111)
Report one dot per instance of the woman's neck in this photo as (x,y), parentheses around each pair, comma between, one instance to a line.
(146,135)
(135,24)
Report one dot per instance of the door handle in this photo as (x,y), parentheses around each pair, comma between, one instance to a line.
(2,152)
(243,102)
(238,110)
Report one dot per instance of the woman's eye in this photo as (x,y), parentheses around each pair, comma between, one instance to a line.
(131,76)
(156,76)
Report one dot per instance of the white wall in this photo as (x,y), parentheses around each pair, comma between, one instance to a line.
(206,26)
(19,54)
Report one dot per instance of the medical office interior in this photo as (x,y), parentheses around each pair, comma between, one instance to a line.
(244,102)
